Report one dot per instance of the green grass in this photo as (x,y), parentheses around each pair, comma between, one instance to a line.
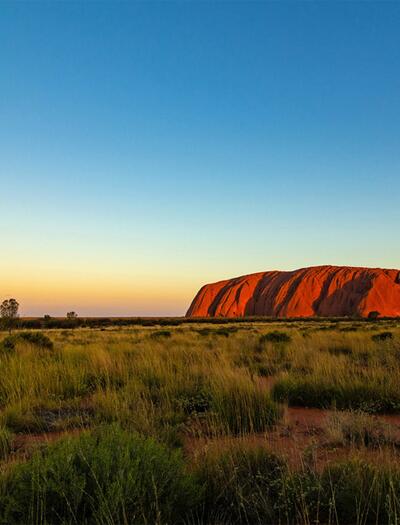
(275,337)
(5,442)
(345,371)
(360,430)
(252,485)
(344,392)
(108,476)
(37,339)
(132,398)
(172,374)
(143,382)
(239,406)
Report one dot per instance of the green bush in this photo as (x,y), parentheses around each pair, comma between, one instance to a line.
(7,345)
(360,493)
(160,333)
(38,339)
(340,350)
(353,328)
(358,395)
(108,476)
(251,485)
(275,337)
(197,402)
(242,484)
(225,331)
(382,336)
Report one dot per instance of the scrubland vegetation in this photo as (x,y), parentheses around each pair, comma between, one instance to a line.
(233,423)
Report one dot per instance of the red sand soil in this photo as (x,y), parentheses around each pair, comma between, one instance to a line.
(24,445)
(320,291)
(301,438)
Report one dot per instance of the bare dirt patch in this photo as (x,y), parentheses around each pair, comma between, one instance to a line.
(301,437)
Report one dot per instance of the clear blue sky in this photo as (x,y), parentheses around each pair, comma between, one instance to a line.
(147,148)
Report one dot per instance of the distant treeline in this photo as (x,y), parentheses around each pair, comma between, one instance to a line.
(102,322)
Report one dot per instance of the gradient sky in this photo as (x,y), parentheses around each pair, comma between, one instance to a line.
(148,148)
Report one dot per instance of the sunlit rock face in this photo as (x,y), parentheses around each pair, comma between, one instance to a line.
(320,291)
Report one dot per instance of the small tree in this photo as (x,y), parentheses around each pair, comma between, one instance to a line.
(47,320)
(9,313)
(72,315)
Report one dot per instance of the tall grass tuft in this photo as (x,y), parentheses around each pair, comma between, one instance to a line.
(250,485)
(108,476)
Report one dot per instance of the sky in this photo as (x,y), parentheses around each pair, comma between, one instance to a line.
(147,148)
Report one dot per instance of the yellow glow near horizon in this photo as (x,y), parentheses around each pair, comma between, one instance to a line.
(97,292)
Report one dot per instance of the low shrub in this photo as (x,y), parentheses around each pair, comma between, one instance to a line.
(382,336)
(254,486)
(275,337)
(242,484)
(38,339)
(160,333)
(108,476)
(354,394)
(359,429)
(225,331)
(359,493)
(7,345)
(340,350)
(348,328)
(195,403)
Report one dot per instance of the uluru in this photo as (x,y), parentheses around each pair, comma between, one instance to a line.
(319,291)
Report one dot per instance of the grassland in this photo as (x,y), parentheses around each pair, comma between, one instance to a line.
(233,423)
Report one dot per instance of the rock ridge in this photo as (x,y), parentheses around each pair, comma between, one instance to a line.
(318,291)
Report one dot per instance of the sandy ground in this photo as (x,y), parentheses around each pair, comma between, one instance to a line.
(302,439)
(300,436)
